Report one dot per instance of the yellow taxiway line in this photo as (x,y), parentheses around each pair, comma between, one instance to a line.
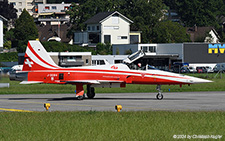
(14,110)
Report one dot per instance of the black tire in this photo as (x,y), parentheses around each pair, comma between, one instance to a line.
(80,97)
(90,92)
(159,96)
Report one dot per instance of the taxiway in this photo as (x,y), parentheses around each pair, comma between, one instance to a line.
(174,101)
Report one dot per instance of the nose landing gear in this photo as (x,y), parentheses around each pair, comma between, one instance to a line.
(159,96)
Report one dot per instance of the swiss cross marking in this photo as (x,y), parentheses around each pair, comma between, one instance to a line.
(29,63)
(142,75)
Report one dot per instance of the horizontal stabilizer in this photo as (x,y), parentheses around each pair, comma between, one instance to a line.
(31,82)
(92,81)
(110,81)
(82,81)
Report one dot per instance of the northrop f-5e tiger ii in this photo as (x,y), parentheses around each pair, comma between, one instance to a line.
(38,67)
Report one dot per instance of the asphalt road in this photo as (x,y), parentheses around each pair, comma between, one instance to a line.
(177,101)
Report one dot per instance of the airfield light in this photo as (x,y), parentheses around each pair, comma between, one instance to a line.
(118,108)
(47,106)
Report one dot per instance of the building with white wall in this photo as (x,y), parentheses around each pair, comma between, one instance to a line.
(164,56)
(65,59)
(1,31)
(106,27)
(111,59)
(203,34)
(53,14)
(29,5)
(22,4)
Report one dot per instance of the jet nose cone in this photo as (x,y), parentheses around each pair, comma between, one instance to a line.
(199,80)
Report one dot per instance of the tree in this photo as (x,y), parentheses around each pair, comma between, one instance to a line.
(7,10)
(144,13)
(170,32)
(199,12)
(25,29)
(54,46)
(104,49)
(60,1)
(86,9)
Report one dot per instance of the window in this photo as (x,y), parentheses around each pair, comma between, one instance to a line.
(88,28)
(93,62)
(145,49)
(107,38)
(20,10)
(101,62)
(98,62)
(47,7)
(118,61)
(54,8)
(71,59)
(29,4)
(115,20)
(111,27)
(20,4)
(87,61)
(97,27)
(150,49)
(121,37)
(93,28)
(134,39)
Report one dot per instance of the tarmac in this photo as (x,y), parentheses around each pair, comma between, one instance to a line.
(173,101)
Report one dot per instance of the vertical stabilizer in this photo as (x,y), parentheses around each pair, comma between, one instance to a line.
(37,58)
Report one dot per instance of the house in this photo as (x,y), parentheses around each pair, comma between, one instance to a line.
(107,27)
(24,4)
(52,22)
(54,32)
(203,34)
(1,31)
(65,59)
(52,14)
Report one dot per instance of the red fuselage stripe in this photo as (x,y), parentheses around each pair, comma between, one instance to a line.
(29,46)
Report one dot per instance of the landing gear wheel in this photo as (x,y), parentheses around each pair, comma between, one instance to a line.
(159,96)
(90,92)
(80,97)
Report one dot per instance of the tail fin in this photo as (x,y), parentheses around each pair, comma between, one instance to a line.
(37,58)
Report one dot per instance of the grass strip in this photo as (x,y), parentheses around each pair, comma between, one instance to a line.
(92,125)
(16,88)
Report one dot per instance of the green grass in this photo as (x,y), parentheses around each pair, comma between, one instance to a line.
(16,88)
(92,125)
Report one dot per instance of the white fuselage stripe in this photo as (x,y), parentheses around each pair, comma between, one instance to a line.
(36,60)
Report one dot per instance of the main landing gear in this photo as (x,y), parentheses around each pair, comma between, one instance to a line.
(159,96)
(90,92)
(80,91)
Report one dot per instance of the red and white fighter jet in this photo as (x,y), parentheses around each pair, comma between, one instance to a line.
(38,67)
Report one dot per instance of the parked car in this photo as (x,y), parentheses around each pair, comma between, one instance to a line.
(201,69)
(192,69)
(209,69)
(184,70)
